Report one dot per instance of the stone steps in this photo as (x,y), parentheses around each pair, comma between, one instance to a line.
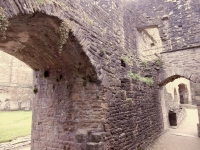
(93,140)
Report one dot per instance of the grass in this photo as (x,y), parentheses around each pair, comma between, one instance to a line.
(14,124)
(137,76)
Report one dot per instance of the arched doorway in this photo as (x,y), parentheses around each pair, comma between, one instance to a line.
(67,98)
(183,93)
(183,86)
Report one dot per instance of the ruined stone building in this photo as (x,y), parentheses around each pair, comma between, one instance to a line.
(101,66)
(16,80)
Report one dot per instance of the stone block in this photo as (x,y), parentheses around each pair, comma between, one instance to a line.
(97,137)
(81,136)
(94,146)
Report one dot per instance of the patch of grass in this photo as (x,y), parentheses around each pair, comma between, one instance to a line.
(14,124)
(129,99)
(144,63)
(125,60)
(41,1)
(158,62)
(137,76)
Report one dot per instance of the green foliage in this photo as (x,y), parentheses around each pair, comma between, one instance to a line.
(137,76)
(102,52)
(64,34)
(129,99)
(59,78)
(41,1)
(85,83)
(3,23)
(148,81)
(125,60)
(159,62)
(144,63)
(14,124)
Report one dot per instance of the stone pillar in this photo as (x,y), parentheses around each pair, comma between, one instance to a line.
(63,107)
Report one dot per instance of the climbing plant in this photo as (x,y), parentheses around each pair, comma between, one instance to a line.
(64,34)
(3,23)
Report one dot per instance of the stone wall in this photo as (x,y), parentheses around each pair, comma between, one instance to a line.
(177,21)
(181,63)
(80,94)
(16,80)
(149,44)
(91,90)
(195,88)
(178,25)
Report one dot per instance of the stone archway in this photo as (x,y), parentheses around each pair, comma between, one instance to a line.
(183,93)
(182,88)
(67,102)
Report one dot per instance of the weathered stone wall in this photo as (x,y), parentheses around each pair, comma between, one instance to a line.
(149,44)
(195,88)
(82,54)
(133,119)
(80,94)
(16,80)
(178,24)
(181,63)
(177,21)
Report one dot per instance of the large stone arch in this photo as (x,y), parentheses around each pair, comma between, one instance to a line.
(67,102)
(13,8)
(170,74)
(181,63)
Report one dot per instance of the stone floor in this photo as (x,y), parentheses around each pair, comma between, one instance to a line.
(17,144)
(184,137)
(24,148)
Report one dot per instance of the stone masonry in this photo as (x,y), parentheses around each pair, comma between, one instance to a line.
(96,87)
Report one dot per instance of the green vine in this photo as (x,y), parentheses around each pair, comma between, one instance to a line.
(3,23)
(64,34)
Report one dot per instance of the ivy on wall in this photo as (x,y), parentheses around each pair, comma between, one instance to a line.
(3,23)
